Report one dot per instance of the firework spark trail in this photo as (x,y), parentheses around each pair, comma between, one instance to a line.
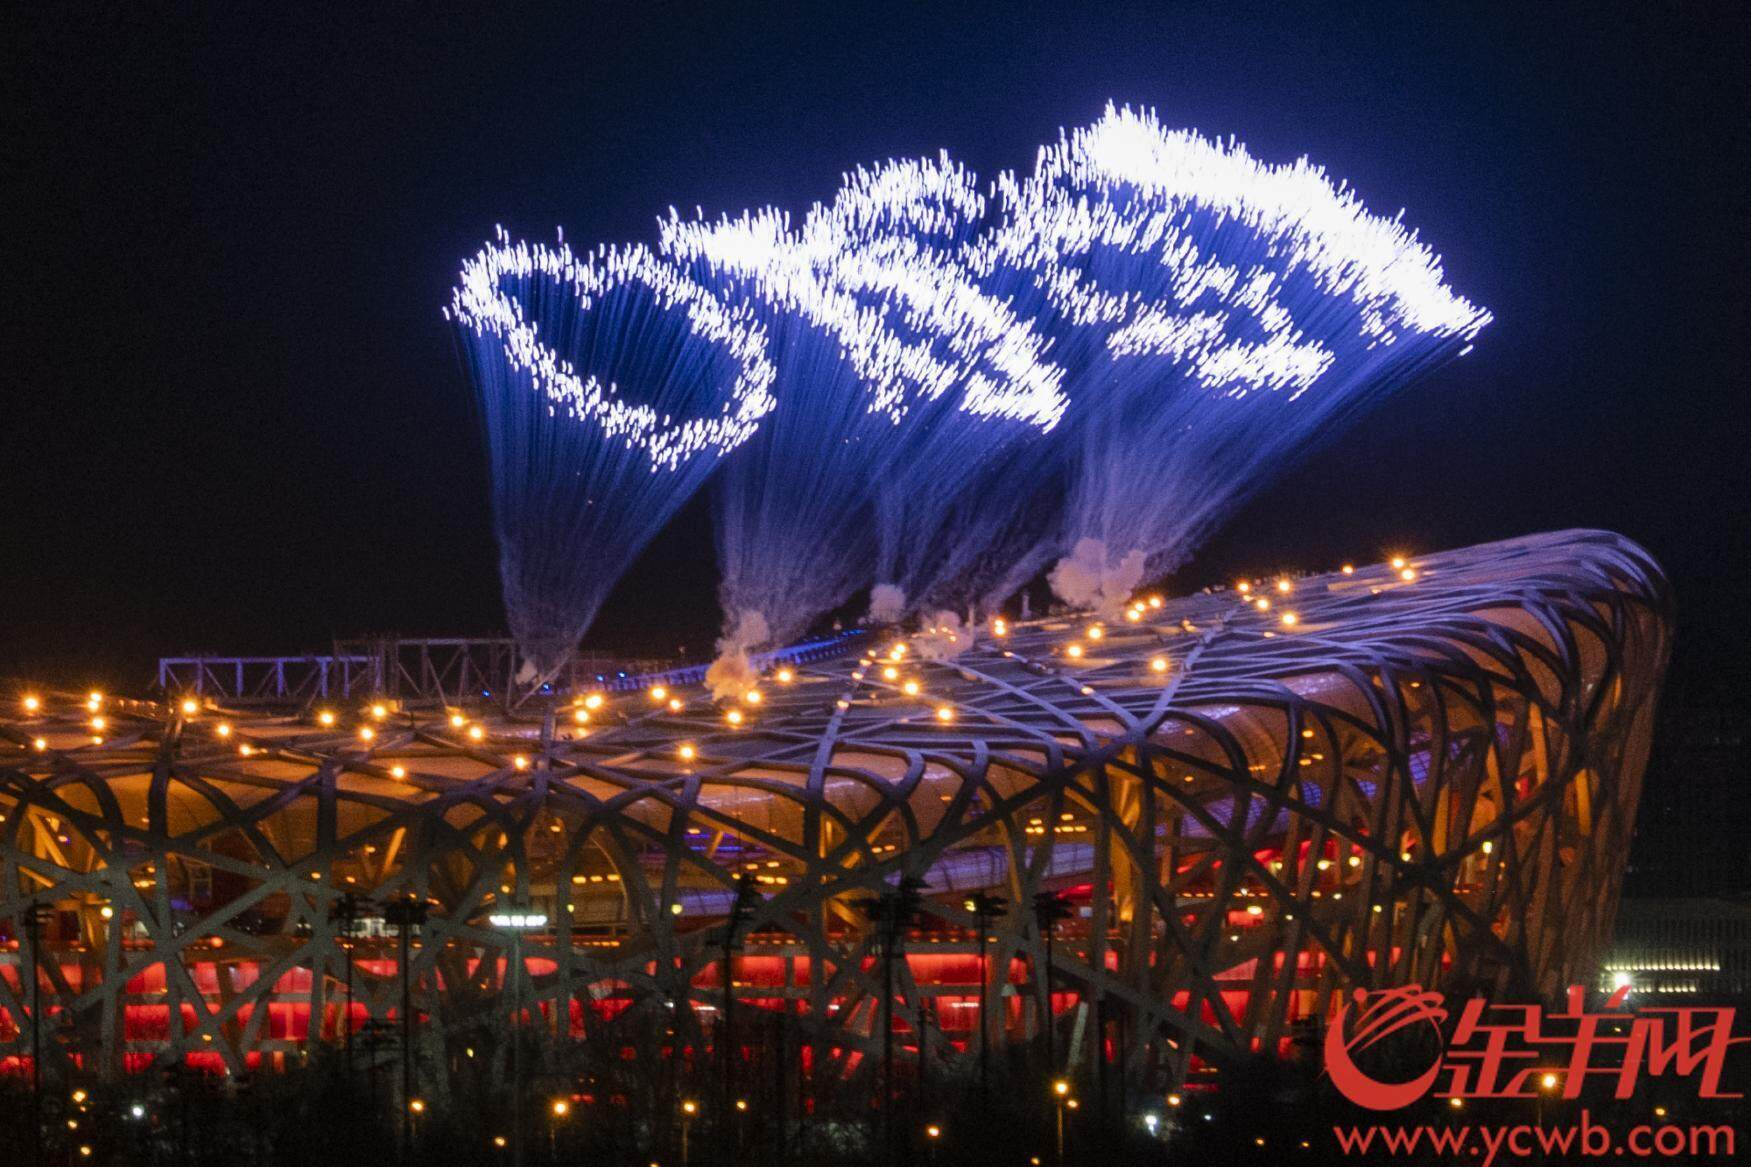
(1218,317)
(611,385)
(889,362)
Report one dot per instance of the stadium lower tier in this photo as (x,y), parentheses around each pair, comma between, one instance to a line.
(1206,819)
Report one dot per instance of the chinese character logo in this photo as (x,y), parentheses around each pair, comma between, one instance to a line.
(1511,1051)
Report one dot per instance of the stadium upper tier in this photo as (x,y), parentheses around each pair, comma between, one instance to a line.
(1418,771)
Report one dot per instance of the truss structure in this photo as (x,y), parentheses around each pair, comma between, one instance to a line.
(432,671)
(1424,772)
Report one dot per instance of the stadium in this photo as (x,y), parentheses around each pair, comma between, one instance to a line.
(1230,808)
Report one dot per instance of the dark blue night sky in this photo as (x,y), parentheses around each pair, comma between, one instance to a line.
(235,420)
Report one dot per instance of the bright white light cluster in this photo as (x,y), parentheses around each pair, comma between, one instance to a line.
(489,298)
(879,270)
(1162,208)
(924,339)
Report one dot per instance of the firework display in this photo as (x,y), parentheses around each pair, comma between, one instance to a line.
(610,385)
(930,389)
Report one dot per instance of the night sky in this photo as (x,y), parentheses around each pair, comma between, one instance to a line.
(234,420)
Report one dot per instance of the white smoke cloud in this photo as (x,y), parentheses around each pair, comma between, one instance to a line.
(733,673)
(887,603)
(1087,579)
(943,637)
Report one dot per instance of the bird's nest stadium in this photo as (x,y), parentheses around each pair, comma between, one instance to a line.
(1423,771)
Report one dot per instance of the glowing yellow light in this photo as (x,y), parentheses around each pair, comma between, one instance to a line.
(690,1107)
(1355,861)
(107,912)
(326,717)
(944,713)
(1254,910)
(1284,586)
(1349,569)
(99,722)
(890,674)
(190,707)
(561,1108)
(1074,652)
(1000,627)
(366,733)
(1095,632)
(418,1106)
(498,1141)
(379,711)
(32,704)
(1155,601)
(734,717)
(246,750)
(1408,574)
(1548,1081)
(687,753)
(933,1131)
(1243,587)
(594,701)
(476,732)
(398,771)
(1290,619)
(1487,847)
(581,716)
(1456,1102)
(910,688)
(1173,1099)
(95,697)
(785,676)
(520,762)
(1158,664)
(1061,1088)
(1262,604)
(1134,614)
(41,744)
(674,705)
(223,729)
(753,696)
(659,693)
(457,721)
(1397,562)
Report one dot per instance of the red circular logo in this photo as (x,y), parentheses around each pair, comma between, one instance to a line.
(1379,1015)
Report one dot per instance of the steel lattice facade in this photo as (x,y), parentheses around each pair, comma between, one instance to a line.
(1430,779)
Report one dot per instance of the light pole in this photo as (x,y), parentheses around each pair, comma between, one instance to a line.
(34,915)
(517,923)
(741,911)
(556,1112)
(1049,908)
(346,912)
(891,911)
(406,914)
(986,909)
(1061,1095)
(689,1108)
